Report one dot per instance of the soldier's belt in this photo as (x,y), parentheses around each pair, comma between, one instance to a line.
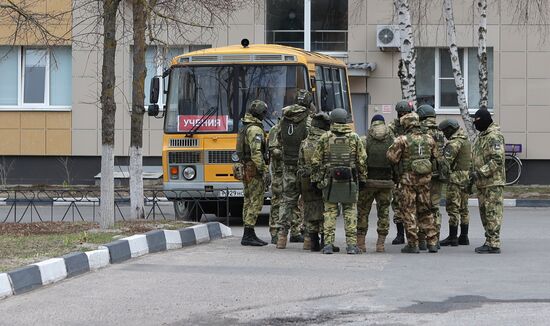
(379,184)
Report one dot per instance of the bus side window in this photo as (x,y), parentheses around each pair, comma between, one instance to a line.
(320,89)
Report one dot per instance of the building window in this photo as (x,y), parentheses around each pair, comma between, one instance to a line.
(435,84)
(35,78)
(314,25)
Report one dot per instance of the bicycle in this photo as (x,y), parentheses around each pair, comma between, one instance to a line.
(512,163)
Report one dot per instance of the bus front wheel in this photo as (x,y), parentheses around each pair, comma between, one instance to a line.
(185,211)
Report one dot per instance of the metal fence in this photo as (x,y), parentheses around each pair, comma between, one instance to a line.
(18,205)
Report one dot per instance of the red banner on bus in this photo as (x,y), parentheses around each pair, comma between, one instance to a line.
(214,123)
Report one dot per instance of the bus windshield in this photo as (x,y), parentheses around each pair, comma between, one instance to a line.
(216,97)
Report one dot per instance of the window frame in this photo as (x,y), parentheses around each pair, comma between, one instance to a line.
(36,107)
(307,32)
(437,83)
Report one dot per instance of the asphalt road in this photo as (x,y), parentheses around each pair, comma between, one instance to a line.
(223,283)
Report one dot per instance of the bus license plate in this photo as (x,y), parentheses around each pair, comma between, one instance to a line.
(231,193)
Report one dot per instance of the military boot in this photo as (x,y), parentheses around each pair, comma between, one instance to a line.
(463,238)
(281,240)
(400,238)
(433,248)
(361,242)
(327,250)
(410,249)
(422,244)
(352,250)
(380,243)
(248,239)
(452,239)
(253,235)
(307,242)
(297,238)
(315,245)
(485,249)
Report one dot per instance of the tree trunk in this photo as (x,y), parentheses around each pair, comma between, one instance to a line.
(407,63)
(482,55)
(138,97)
(108,107)
(457,71)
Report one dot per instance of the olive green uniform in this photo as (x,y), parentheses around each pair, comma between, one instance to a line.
(276,167)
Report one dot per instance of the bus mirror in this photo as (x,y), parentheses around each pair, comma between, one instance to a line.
(153,110)
(155,89)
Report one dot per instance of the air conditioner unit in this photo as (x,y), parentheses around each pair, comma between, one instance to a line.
(387,37)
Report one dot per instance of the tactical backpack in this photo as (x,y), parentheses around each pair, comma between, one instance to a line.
(342,178)
(419,159)
(292,134)
(378,165)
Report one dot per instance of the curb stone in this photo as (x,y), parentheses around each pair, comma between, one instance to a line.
(53,270)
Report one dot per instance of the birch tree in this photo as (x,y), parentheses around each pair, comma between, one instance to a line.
(457,71)
(407,62)
(482,55)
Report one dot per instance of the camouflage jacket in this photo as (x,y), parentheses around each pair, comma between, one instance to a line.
(255,139)
(488,157)
(458,167)
(275,149)
(399,150)
(429,126)
(307,148)
(395,128)
(321,168)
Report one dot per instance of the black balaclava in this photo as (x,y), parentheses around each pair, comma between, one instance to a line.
(482,120)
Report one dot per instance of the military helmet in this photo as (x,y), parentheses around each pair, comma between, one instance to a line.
(339,116)
(425,111)
(303,98)
(403,106)
(449,123)
(410,120)
(321,120)
(258,109)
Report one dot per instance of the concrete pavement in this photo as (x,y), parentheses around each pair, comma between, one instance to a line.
(223,283)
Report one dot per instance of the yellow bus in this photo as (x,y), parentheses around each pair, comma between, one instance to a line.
(208,92)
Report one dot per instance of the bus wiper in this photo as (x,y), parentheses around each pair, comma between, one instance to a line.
(202,120)
(269,123)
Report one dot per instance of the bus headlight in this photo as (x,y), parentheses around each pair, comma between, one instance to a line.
(189,173)
(235,157)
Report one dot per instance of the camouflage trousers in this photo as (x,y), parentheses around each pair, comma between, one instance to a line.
(435,197)
(491,210)
(289,215)
(395,205)
(417,213)
(350,222)
(313,216)
(276,193)
(364,204)
(457,205)
(253,200)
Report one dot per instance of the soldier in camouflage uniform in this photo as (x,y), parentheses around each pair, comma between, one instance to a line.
(252,152)
(379,184)
(489,175)
(457,159)
(312,196)
(396,130)
(293,130)
(276,167)
(428,125)
(415,152)
(338,166)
